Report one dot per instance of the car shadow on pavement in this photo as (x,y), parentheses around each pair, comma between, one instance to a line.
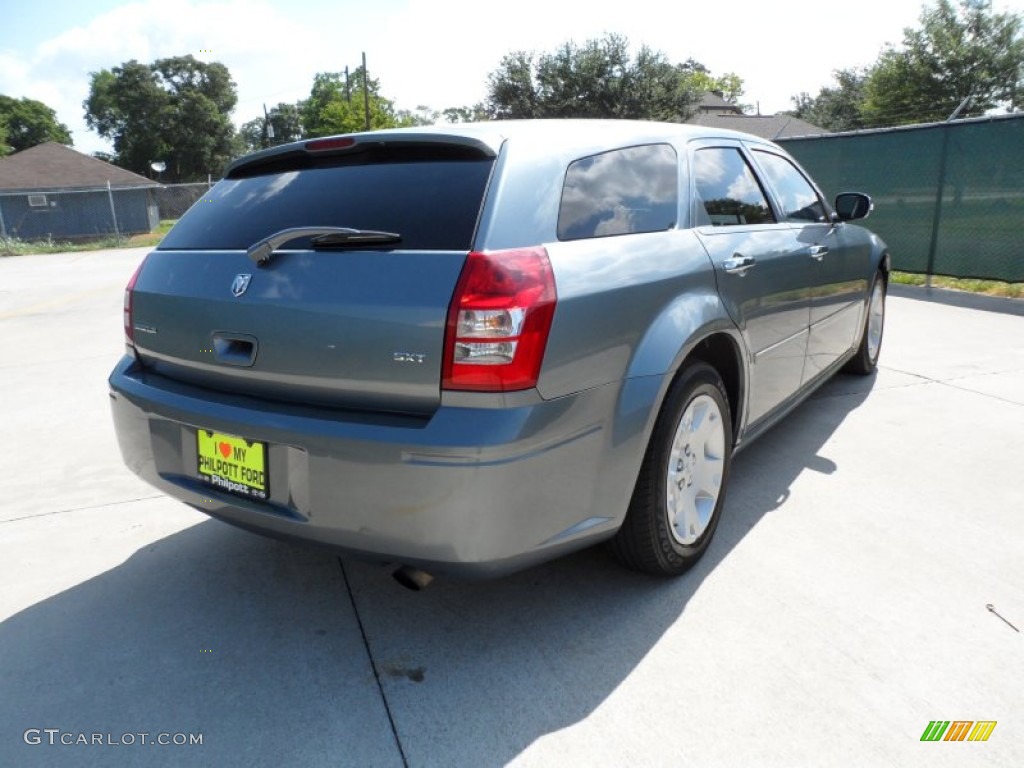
(475,673)
(249,642)
(254,643)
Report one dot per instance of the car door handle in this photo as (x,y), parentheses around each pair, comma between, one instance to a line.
(738,265)
(818,252)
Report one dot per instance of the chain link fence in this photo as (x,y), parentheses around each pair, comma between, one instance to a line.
(96,213)
(949,197)
(173,200)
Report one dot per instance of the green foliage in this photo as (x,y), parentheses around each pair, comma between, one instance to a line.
(175,109)
(336,105)
(730,85)
(599,79)
(960,51)
(26,122)
(987,287)
(466,114)
(286,121)
(13,246)
(424,115)
(835,108)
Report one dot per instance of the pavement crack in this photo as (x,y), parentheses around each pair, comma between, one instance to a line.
(952,385)
(82,509)
(373,665)
(921,376)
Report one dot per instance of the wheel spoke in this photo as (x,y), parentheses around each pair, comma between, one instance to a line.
(695,469)
(876,320)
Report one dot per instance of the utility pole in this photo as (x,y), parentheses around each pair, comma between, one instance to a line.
(348,90)
(268,129)
(366,92)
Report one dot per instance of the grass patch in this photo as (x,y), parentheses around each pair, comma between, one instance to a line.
(12,246)
(971,285)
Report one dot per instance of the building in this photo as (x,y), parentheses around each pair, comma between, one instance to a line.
(52,191)
(714,111)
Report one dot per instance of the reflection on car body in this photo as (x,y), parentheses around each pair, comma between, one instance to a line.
(471,348)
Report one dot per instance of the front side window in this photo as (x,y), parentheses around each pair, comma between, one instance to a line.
(798,199)
(619,193)
(727,189)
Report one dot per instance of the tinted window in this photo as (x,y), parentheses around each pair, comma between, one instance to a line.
(798,199)
(432,204)
(620,192)
(728,190)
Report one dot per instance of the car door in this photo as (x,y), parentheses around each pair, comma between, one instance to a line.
(836,257)
(761,267)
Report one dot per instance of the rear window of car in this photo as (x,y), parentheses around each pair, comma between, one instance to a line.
(433,203)
(621,192)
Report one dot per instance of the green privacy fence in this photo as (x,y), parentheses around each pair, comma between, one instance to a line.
(975,228)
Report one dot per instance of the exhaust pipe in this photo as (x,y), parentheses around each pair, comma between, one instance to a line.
(413,578)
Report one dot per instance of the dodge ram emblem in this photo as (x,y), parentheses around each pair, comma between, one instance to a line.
(240,283)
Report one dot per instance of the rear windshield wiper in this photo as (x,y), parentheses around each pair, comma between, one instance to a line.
(322,237)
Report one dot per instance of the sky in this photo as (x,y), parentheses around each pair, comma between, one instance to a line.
(434,53)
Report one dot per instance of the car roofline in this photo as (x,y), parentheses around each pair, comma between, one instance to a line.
(488,137)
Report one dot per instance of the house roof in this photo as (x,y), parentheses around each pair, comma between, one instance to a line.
(766,126)
(54,166)
(714,101)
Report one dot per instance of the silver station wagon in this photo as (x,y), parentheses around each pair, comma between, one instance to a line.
(466,349)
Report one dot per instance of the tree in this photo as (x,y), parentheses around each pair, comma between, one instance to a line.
(424,115)
(27,122)
(835,108)
(286,121)
(176,110)
(700,79)
(961,52)
(465,114)
(336,105)
(598,79)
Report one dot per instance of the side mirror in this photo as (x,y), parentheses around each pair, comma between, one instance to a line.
(853,205)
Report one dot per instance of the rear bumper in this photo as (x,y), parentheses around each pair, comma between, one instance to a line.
(473,491)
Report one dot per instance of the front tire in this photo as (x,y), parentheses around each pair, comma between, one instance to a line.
(865,361)
(680,491)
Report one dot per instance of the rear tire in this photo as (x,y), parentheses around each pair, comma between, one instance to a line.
(865,362)
(680,491)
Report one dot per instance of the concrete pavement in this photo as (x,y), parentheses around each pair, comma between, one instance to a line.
(841,607)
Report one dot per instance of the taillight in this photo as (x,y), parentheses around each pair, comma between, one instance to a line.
(499,320)
(129,330)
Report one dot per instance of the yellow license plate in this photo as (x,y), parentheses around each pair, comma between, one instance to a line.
(233,464)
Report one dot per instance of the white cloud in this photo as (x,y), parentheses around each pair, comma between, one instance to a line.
(245,36)
(439,52)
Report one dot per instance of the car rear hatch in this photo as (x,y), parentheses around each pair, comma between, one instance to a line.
(351,320)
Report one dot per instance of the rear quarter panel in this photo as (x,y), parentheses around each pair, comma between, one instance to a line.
(628,307)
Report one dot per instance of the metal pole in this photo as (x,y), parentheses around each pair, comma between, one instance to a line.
(113,213)
(366,92)
(937,217)
(3,229)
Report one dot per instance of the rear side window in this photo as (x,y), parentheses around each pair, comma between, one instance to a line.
(728,190)
(433,204)
(619,193)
